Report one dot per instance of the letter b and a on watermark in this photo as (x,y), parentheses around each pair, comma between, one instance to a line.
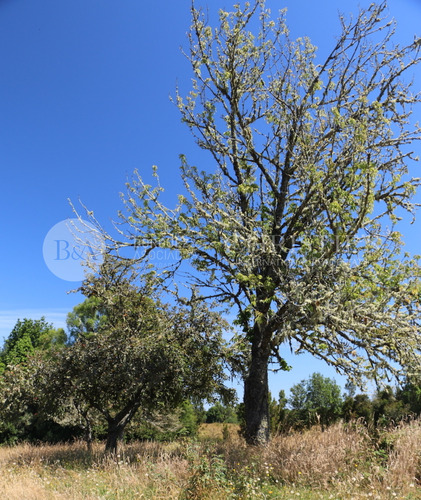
(69,245)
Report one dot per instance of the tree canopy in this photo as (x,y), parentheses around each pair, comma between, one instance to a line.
(145,357)
(27,336)
(296,223)
(318,398)
(85,319)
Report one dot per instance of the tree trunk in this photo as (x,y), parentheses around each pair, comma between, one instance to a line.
(115,434)
(256,396)
(87,429)
(88,435)
(87,426)
(117,424)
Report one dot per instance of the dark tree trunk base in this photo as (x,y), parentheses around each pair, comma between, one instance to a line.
(114,438)
(256,401)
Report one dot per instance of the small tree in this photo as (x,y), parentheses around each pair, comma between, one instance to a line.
(20,416)
(295,223)
(278,413)
(188,419)
(27,336)
(318,399)
(145,357)
(358,407)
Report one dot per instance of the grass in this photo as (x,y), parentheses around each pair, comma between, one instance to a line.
(338,464)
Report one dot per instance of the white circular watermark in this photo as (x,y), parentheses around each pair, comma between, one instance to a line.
(69,246)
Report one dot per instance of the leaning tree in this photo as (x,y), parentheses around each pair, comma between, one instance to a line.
(295,221)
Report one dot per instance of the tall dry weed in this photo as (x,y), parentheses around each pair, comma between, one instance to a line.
(316,458)
(404,464)
(68,471)
(343,462)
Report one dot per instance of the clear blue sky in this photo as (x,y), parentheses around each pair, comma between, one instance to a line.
(84,100)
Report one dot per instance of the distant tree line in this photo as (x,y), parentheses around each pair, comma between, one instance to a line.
(319,401)
(54,385)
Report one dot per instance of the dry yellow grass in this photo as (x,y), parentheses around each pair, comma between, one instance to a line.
(216,431)
(67,471)
(404,464)
(339,464)
(347,461)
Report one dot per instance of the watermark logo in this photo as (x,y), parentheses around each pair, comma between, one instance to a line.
(69,246)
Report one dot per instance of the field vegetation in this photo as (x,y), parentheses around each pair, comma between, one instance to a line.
(342,462)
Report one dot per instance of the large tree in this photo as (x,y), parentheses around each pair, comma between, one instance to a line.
(295,222)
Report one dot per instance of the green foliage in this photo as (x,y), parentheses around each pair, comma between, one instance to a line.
(358,407)
(9,433)
(33,329)
(20,415)
(316,400)
(208,473)
(18,352)
(221,413)
(278,413)
(86,318)
(387,409)
(180,422)
(27,336)
(144,356)
(188,419)
(410,395)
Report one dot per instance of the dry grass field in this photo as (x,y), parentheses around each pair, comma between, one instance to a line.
(340,463)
